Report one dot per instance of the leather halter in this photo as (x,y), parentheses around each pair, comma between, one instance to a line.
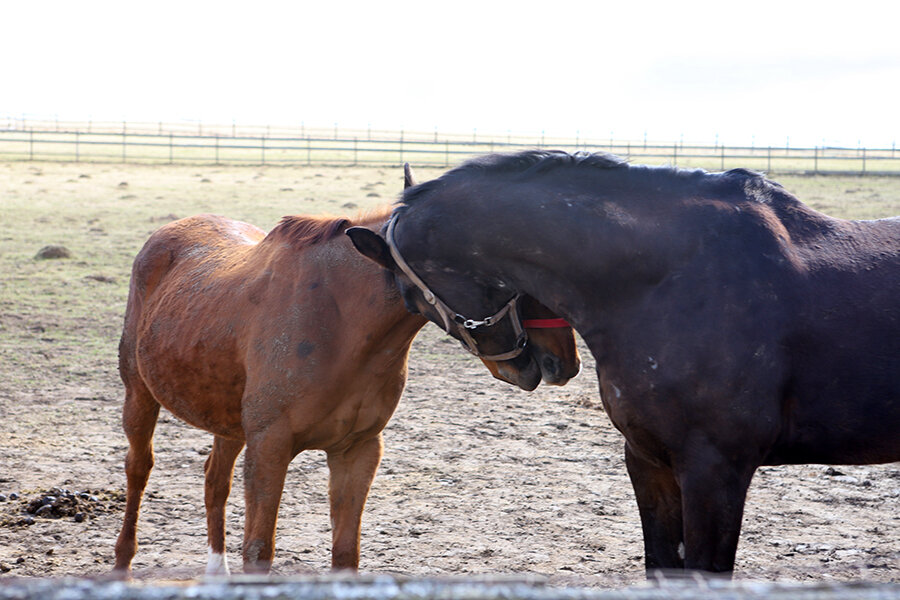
(554,323)
(448,315)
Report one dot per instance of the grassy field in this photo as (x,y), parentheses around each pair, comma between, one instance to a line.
(60,319)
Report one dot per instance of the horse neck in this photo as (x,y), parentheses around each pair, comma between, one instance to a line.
(364,292)
(572,257)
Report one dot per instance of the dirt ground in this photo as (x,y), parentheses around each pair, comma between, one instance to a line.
(477,478)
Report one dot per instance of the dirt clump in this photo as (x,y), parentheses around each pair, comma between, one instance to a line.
(53,251)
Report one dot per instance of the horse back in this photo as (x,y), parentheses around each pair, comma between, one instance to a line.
(193,244)
(193,238)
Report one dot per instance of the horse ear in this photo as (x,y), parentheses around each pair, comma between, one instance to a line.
(408,179)
(372,246)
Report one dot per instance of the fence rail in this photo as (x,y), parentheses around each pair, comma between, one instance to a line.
(162,143)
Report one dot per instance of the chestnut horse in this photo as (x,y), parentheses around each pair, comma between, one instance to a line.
(732,325)
(281,342)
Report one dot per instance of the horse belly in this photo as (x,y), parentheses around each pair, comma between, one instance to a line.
(194,373)
(845,430)
(845,412)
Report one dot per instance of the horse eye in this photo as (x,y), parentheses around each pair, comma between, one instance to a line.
(411,308)
(410,302)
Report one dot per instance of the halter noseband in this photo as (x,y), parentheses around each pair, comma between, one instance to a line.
(448,315)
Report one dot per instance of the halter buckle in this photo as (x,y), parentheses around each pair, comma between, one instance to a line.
(445,312)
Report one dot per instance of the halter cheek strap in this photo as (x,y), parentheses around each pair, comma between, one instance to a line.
(448,315)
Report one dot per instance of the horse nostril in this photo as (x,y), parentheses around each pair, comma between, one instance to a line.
(551,366)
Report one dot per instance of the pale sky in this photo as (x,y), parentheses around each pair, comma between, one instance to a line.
(756,72)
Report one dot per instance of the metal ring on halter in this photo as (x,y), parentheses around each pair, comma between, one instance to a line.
(448,315)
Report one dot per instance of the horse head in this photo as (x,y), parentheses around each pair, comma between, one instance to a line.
(512,351)
(551,341)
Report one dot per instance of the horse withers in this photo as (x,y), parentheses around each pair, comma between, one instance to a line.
(732,325)
(281,342)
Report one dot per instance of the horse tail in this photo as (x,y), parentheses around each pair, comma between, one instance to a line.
(150,266)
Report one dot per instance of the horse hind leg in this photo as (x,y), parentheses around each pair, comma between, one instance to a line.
(659,503)
(350,476)
(714,490)
(219,473)
(139,415)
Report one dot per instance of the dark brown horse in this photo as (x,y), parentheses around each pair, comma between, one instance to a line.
(732,325)
(281,342)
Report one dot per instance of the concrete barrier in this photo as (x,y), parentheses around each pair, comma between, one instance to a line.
(337,587)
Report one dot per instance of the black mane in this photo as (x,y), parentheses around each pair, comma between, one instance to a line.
(537,161)
(529,163)
(525,163)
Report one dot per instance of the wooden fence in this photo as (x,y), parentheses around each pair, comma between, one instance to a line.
(162,143)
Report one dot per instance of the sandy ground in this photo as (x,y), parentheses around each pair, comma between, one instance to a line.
(478,477)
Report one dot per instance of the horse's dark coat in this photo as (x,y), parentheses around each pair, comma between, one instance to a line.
(732,325)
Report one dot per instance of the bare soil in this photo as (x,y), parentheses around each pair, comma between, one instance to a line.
(477,477)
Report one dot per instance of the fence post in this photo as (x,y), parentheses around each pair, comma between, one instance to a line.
(77,156)
(722,164)
(217,148)
(262,147)
(675,154)
(769,160)
(171,144)
(123,146)
(864,161)
(355,156)
(31,144)
(308,151)
(816,160)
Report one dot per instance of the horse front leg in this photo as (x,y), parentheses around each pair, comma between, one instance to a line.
(714,487)
(659,503)
(351,472)
(269,452)
(219,473)
(139,415)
